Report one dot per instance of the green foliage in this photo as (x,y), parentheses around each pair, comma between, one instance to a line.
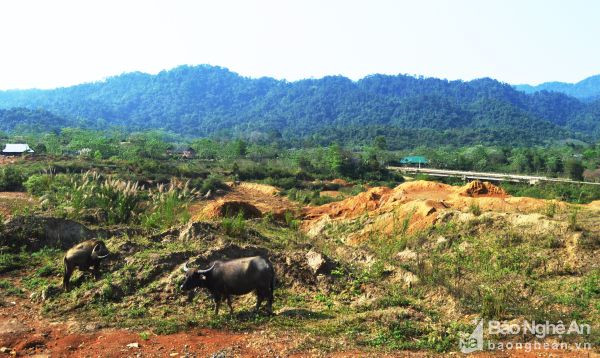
(291,221)
(12,261)
(234,226)
(550,209)
(475,209)
(574,193)
(168,205)
(7,288)
(11,178)
(39,184)
(574,169)
(572,218)
(203,100)
(119,200)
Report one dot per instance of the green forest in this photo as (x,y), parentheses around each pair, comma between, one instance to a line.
(207,101)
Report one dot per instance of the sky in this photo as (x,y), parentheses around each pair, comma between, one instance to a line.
(46,44)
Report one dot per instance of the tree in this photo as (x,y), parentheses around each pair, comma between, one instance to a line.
(554,165)
(574,169)
(380,143)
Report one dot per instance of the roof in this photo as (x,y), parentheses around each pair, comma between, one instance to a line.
(17,148)
(414,159)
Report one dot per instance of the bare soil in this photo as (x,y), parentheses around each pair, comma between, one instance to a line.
(258,199)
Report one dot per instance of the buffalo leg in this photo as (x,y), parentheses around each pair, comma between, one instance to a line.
(259,299)
(217,303)
(229,304)
(96,271)
(67,276)
(270,301)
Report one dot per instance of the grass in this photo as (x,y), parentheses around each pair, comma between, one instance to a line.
(234,226)
(475,209)
(12,261)
(485,267)
(9,289)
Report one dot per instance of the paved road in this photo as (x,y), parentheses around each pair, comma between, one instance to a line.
(486,176)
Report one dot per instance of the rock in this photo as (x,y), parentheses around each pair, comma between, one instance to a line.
(441,240)
(35,232)
(92,327)
(318,263)
(4,350)
(133,345)
(406,255)
(174,354)
(197,230)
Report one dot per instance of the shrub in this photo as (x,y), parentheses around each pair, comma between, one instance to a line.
(119,199)
(39,184)
(475,209)
(11,179)
(169,205)
(550,209)
(234,226)
(212,184)
(572,219)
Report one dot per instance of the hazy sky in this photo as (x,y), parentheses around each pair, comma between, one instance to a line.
(57,43)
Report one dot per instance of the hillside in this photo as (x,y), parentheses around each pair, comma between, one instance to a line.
(587,89)
(386,272)
(205,100)
(23,119)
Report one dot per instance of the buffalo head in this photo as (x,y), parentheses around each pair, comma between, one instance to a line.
(195,277)
(99,251)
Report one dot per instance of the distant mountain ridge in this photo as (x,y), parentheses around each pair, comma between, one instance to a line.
(207,101)
(587,89)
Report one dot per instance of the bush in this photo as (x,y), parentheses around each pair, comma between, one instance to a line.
(11,179)
(38,184)
(234,226)
(212,184)
(169,206)
(119,199)
(475,209)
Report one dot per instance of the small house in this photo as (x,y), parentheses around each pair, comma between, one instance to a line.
(414,160)
(16,149)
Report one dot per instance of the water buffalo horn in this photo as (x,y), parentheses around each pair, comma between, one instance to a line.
(185,268)
(94,250)
(207,270)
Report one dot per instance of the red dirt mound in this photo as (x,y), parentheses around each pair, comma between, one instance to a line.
(477,188)
(222,208)
(255,200)
(414,206)
(351,207)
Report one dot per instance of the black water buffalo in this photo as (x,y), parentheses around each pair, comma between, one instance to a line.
(84,256)
(234,277)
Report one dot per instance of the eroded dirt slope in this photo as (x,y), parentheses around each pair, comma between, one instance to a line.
(416,206)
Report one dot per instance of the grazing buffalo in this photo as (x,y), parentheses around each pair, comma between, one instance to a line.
(234,277)
(84,256)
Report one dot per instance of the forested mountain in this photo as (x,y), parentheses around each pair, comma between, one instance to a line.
(586,90)
(24,119)
(205,100)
